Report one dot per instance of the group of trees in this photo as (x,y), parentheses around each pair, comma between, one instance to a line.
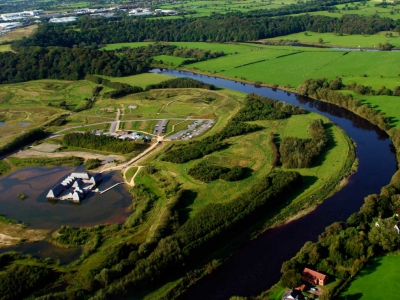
(101,142)
(301,153)
(181,83)
(344,248)
(207,172)
(162,48)
(23,140)
(18,281)
(323,89)
(31,63)
(260,108)
(218,28)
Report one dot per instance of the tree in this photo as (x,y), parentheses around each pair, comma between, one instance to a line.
(291,278)
(320,41)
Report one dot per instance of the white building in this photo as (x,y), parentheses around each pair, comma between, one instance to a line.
(9,26)
(63,20)
(140,12)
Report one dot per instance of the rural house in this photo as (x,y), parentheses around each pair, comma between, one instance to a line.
(314,277)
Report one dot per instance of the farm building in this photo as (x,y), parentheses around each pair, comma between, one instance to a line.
(314,277)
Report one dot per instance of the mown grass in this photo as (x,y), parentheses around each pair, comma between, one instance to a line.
(345,40)
(379,280)
(129,174)
(389,105)
(141,80)
(169,60)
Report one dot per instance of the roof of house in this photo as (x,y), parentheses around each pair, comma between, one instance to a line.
(309,272)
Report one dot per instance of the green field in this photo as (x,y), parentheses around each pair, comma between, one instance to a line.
(379,280)
(168,60)
(345,40)
(259,161)
(27,105)
(228,48)
(4,48)
(302,63)
(206,8)
(141,80)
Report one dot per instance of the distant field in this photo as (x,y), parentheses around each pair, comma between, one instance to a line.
(18,34)
(206,8)
(358,8)
(24,106)
(141,80)
(274,66)
(172,61)
(228,48)
(379,280)
(346,40)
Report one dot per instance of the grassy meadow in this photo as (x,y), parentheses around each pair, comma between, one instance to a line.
(259,161)
(379,280)
(141,80)
(345,40)
(28,105)
(18,33)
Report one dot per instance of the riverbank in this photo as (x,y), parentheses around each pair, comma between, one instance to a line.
(14,233)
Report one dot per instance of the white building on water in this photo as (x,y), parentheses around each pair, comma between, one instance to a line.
(74,187)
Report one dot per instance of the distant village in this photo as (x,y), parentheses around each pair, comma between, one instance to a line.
(18,19)
(75,187)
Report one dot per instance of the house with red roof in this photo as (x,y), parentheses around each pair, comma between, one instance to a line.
(314,277)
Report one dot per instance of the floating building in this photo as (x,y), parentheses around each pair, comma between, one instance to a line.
(74,187)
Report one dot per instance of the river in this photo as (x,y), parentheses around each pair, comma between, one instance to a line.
(256,266)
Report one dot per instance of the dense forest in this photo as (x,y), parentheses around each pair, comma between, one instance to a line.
(33,63)
(216,28)
(103,143)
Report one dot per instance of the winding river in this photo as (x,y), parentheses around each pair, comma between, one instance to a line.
(256,266)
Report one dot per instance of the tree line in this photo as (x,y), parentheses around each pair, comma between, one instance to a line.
(23,140)
(101,142)
(324,89)
(301,153)
(216,28)
(162,48)
(32,63)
